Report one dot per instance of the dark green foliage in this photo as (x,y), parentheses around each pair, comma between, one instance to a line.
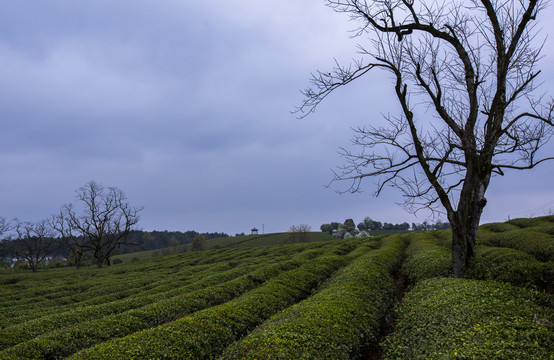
(499,227)
(426,258)
(514,267)
(529,222)
(206,333)
(336,323)
(538,244)
(470,319)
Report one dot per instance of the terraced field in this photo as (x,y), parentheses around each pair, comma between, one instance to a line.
(318,300)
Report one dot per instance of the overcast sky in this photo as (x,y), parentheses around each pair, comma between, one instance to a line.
(185,105)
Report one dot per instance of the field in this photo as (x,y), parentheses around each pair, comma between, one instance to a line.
(388,297)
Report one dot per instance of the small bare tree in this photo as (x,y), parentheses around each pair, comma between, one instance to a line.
(464,73)
(103,222)
(5,227)
(35,241)
(297,233)
(70,235)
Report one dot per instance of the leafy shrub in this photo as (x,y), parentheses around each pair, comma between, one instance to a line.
(514,267)
(206,333)
(538,244)
(529,222)
(499,227)
(335,323)
(425,258)
(471,319)
(66,341)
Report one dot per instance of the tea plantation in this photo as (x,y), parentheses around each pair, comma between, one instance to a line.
(388,297)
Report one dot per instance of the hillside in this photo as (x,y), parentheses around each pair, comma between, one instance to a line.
(385,297)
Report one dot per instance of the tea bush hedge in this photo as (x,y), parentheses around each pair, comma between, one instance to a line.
(205,334)
(538,244)
(446,318)
(426,258)
(338,322)
(514,267)
(66,341)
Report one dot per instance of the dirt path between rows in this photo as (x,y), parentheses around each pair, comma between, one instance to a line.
(375,352)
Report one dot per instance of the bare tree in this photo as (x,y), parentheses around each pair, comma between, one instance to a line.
(70,235)
(104,220)
(35,241)
(297,233)
(5,227)
(464,73)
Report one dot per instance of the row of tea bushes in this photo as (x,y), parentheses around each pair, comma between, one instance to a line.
(156,284)
(28,330)
(515,267)
(100,290)
(426,257)
(538,244)
(335,323)
(205,334)
(446,318)
(66,341)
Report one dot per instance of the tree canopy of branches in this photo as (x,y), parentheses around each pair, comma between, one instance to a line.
(5,227)
(297,233)
(100,221)
(464,73)
(34,242)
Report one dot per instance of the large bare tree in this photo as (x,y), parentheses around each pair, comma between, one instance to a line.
(464,74)
(101,220)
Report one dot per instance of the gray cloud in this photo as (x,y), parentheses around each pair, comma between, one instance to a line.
(185,105)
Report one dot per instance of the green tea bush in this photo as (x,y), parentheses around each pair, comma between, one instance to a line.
(538,244)
(499,227)
(205,334)
(16,334)
(66,341)
(515,267)
(426,258)
(472,319)
(529,222)
(335,323)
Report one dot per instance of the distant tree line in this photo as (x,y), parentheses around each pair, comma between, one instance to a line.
(348,228)
(99,224)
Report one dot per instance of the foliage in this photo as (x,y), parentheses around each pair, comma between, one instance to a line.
(198,242)
(470,319)
(335,323)
(538,244)
(426,258)
(206,333)
(515,267)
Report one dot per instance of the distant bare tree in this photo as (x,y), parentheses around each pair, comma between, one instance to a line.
(102,218)
(297,233)
(464,73)
(35,241)
(70,235)
(5,227)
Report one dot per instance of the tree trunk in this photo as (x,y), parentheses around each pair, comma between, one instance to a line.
(465,222)
(463,248)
